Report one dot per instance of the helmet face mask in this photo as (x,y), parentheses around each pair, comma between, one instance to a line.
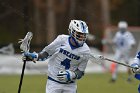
(79,36)
(79,31)
(122,30)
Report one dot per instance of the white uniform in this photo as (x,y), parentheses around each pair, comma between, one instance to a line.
(123,44)
(64,57)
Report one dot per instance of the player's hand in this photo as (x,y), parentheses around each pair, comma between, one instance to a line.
(66,75)
(27,56)
(135,68)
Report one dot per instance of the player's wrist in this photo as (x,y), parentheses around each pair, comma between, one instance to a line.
(75,75)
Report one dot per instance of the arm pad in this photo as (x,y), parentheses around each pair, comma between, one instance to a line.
(79,74)
(43,56)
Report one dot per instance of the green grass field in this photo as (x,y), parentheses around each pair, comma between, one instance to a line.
(90,83)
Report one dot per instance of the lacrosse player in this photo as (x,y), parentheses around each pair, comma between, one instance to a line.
(136,69)
(65,63)
(123,42)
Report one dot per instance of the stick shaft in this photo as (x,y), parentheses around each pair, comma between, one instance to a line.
(26,27)
(118,62)
(21,77)
(111,60)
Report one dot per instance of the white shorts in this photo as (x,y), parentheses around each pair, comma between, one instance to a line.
(54,87)
(123,55)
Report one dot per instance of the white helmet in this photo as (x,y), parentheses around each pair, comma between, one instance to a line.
(122,24)
(78,31)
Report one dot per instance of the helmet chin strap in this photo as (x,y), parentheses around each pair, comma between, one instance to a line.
(76,42)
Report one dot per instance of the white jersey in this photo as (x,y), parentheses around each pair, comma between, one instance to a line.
(137,59)
(63,57)
(124,41)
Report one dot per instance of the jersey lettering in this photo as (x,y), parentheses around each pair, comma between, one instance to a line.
(68,54)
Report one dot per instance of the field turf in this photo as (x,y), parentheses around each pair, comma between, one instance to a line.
(90,83)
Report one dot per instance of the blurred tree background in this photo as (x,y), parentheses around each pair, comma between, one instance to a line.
(49,18)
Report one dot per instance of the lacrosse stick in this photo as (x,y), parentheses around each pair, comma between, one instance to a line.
(25,47)
(101,58)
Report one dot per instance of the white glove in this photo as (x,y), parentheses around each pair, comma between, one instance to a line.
(135,68)
(66,75)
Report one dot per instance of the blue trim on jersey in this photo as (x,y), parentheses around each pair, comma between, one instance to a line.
(59,81)
(73,47)
(139,88)
(137,76)
(138,56)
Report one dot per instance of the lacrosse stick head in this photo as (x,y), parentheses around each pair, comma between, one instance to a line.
(25,43)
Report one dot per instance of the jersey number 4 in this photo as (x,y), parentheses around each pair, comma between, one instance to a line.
(66,63)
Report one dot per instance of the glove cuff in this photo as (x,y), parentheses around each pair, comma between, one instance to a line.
(134,64)
(71,75)
(36,57)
